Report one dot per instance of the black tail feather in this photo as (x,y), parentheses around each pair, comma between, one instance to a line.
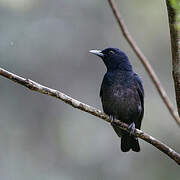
(129,142)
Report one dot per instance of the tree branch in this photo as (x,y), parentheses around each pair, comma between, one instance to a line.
(34,86)
(145,62)
(174,23)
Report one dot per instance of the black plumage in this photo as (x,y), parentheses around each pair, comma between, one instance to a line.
(122,94)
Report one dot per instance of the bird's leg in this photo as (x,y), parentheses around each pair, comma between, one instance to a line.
(111,119)
(131,127)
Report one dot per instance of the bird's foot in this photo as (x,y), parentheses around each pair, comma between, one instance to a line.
(131,128)
(111,119)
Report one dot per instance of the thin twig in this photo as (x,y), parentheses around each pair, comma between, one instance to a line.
(89,109)
(144,61)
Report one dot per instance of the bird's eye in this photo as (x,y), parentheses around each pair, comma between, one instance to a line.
(111,52)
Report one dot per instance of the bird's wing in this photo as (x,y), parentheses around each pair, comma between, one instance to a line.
(140,91)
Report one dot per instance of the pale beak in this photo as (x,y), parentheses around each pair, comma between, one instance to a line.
(97,53)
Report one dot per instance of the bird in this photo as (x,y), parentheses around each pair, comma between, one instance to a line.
(122,95)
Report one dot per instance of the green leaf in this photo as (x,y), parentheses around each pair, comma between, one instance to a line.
(175,4)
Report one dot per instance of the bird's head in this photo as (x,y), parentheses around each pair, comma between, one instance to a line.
(114,59)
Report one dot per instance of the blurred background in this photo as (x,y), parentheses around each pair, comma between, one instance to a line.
(42,138)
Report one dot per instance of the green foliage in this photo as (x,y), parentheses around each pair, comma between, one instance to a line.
(176,5)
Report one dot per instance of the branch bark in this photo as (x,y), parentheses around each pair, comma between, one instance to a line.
(34,86)
(175,47)
(145,63)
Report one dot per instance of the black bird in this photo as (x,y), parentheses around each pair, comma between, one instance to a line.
(122,95)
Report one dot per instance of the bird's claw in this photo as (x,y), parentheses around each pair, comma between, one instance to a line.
(131,128)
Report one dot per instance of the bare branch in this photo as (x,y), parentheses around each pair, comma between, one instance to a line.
(145,62)
(175,47)
(34,86)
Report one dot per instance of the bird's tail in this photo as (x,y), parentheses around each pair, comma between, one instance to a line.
(129,142)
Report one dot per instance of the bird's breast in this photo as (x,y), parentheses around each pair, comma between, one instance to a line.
(121,101)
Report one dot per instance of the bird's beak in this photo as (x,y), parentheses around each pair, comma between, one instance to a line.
(97,52)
